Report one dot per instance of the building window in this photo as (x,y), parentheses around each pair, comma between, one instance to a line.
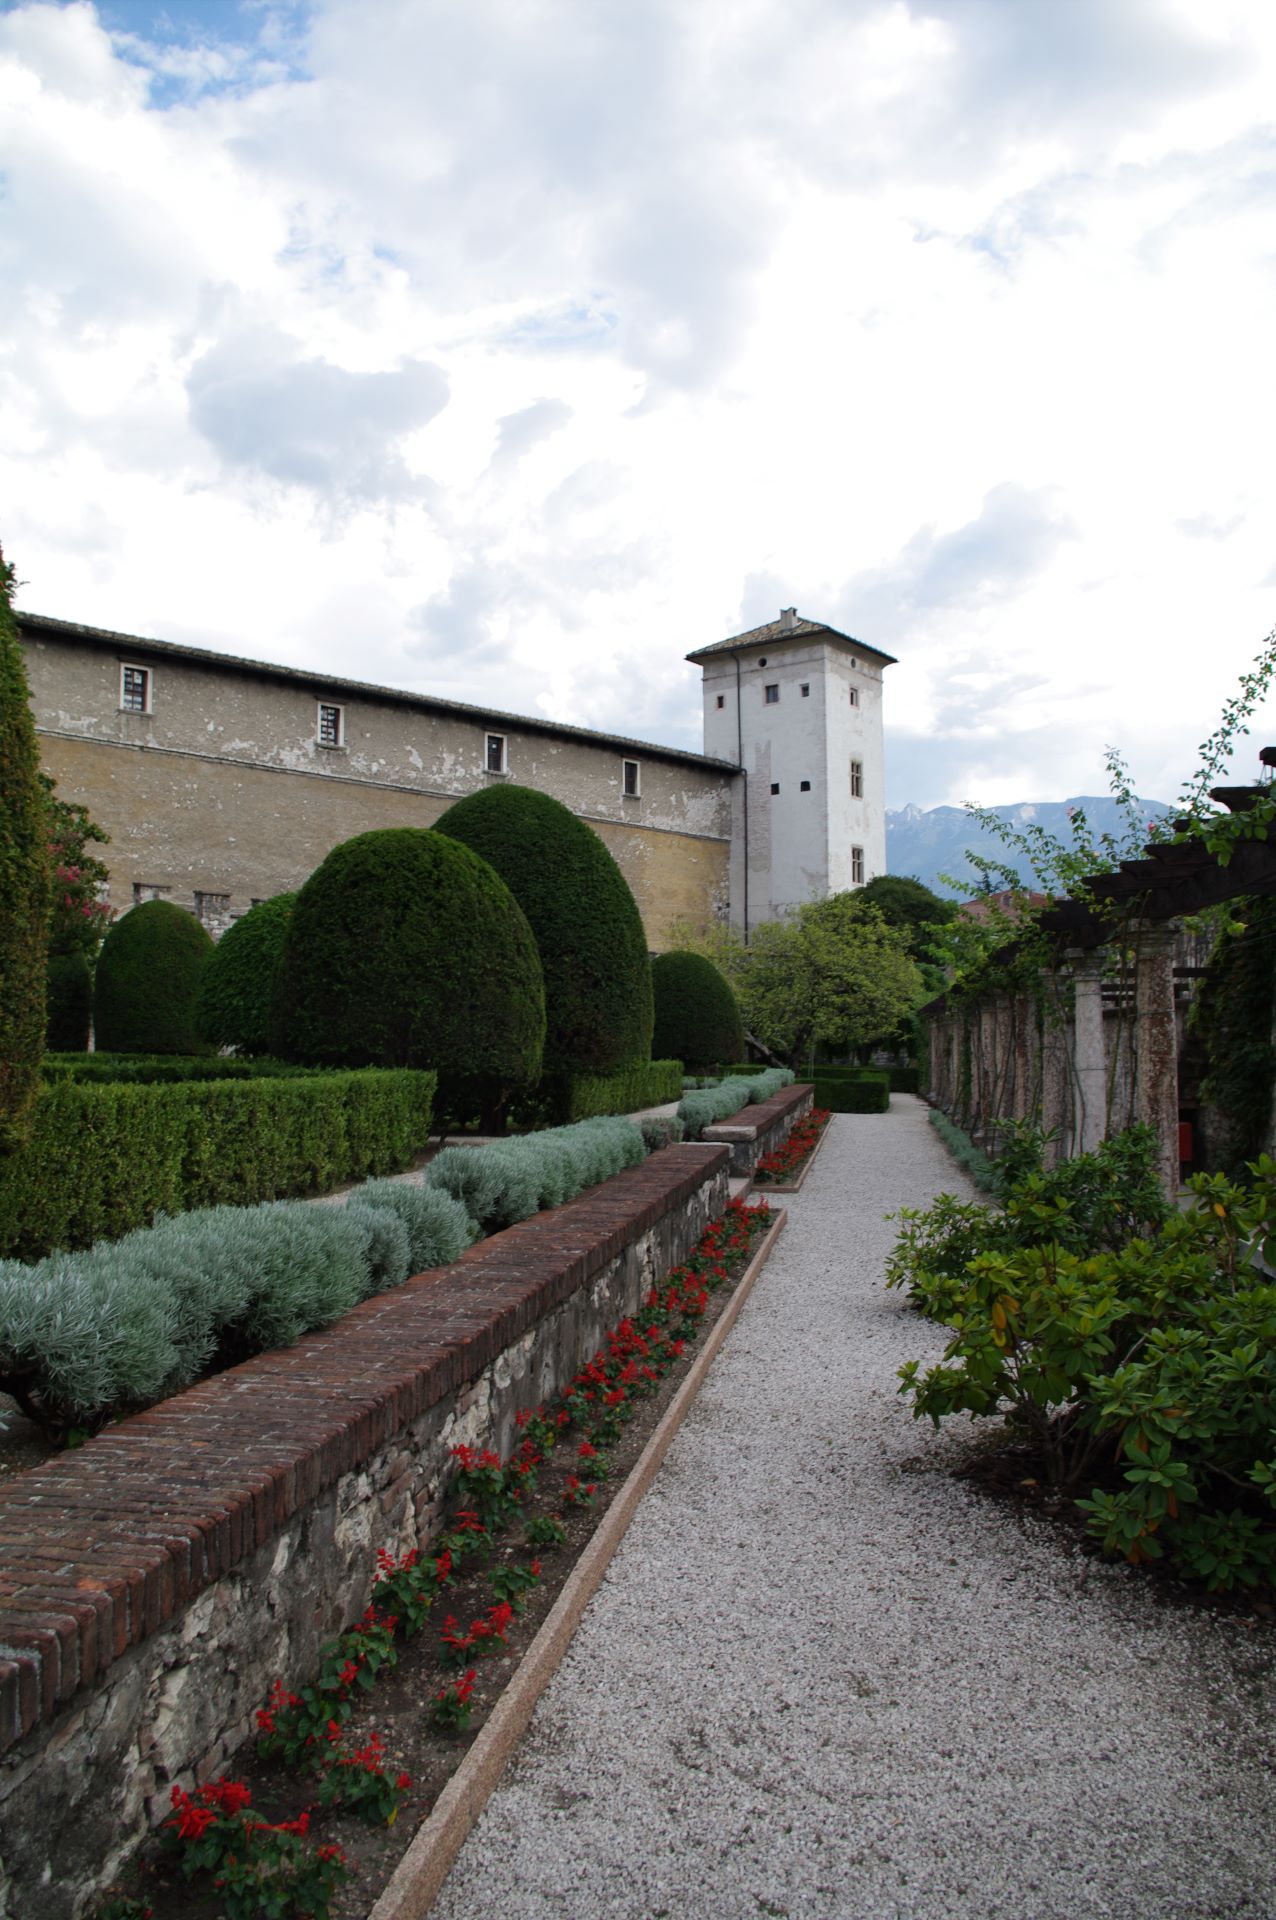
(762,661)
(331,730)
(805,689)
(631,786)
(771,693)
(211,907)
(775,786)
(857,866)
(143,890)
(804,785)
(495,760)
(855,695)
(857,779)
(135,689)
(722,699)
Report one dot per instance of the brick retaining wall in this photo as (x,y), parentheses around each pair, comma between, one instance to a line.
(756,1131)
(155,1582)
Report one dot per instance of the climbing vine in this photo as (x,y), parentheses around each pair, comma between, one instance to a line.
(1232,1021)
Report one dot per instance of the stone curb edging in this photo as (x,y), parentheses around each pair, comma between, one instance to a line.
(794,1186)
(412,1888)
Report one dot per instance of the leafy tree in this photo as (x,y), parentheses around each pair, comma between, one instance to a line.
(904,902)
(236,990)
(697,1019)
(147,981)
(80,916)
(584,919)
(24,887)
(832,974)
(405,949)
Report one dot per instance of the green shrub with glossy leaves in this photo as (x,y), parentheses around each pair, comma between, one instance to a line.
(405,949)
(697,1019)
(146,988)
(583,917)
(237,987)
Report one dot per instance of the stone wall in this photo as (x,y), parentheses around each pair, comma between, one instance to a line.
(156,1581)
(756,1131)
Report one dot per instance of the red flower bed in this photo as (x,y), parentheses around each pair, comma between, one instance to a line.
(786,1161)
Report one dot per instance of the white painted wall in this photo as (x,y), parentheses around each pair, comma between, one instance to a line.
(800,843)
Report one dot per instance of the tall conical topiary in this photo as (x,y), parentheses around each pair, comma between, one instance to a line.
(237,988)
(146,988)
(587,926)
(405,950)
(24,887)
(697,1019)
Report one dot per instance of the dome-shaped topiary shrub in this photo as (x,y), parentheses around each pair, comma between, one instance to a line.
(147,981)
(238,986)
(587,926)
(697,1019)
(70,1003)
(405,950)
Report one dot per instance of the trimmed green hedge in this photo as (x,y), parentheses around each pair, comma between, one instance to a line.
(652,1085)
(697,1018)
(70,1002)
(25,887)
(584,919)
(236,990)
(103,1160)
(164,1069)
(868,1093)
(147,980)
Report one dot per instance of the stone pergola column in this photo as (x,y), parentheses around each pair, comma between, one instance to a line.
(1156,1055)
(1089,1056)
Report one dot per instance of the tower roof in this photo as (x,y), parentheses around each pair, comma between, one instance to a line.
(789,625)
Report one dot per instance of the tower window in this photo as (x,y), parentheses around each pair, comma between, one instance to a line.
(805,689)
(857,779)
(762,661)
(772,694)
(805,786)
(855,695)
(722,699)
(631,786)
(857,866)
(775,786)
(494,754)
(135,689)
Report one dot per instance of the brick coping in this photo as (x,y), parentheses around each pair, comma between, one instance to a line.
(100,1548)
(749,1122)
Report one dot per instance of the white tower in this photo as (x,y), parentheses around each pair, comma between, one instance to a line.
(798,706)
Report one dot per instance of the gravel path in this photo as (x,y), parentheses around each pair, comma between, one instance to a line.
(824,1679)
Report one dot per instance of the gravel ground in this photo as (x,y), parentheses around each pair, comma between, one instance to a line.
(824,1679)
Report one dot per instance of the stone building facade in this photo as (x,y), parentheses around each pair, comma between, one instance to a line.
(224,781)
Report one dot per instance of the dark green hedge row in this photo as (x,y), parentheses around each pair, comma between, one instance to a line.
(163,1069)
(651,1085)
(867,1093)
(102,1160)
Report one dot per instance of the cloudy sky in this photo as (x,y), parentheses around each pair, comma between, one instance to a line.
(509,349)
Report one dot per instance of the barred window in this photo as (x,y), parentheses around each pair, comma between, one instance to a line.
(135,689)
(331,730)
(632,788)
(857,866)
(495,760)
(857,779)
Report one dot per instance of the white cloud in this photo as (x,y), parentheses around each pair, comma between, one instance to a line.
(515,350)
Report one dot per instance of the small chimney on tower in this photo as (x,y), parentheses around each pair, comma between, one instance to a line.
(788,619)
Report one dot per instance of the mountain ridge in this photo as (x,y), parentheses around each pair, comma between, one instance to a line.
(925,843)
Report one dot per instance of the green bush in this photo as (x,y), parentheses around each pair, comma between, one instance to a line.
(87,1336)
(237,988)
(510,1180)
(1139,1360)
(697,1019)
(404,949)
(662,1130)
(587,927)
(905,1079)
(701,1109)
(438,1228)
(147,981)
(70,1002)
(25,893)
(626,1091)
(103,1160)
